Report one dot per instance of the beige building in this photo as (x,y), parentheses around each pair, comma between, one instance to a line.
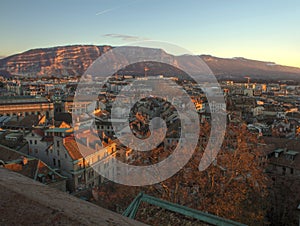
(25,105)
(58,148)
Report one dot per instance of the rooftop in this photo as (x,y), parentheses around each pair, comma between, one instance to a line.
(60,130)
(290,152)
(22,100)
(72,148)
(14,161)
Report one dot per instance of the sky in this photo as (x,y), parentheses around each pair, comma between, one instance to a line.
(256,29)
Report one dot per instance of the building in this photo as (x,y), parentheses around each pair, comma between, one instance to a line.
(31,167)
(58,148)
(14,87)
(25,105)
(285,162)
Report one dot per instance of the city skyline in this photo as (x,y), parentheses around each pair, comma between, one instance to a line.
(256,30)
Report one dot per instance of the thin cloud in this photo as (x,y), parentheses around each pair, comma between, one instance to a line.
(125,37)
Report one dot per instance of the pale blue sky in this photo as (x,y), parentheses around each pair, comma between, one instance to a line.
(256,29)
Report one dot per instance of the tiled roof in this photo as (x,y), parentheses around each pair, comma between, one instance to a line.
(7,154)
(78,148)
(33,166)
(72,148)
(44,170)
(38,132)
(27,170)
(47,139)
(290,144)
(26,122)
(86,151)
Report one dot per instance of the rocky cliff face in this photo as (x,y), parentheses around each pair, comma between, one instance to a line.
(74,60)
(57,61)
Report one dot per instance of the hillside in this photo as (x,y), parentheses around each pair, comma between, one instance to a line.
(74,60)
(57,61)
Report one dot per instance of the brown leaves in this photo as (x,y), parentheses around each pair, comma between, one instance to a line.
(234,186)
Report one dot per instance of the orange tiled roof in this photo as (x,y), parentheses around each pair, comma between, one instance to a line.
(72,148)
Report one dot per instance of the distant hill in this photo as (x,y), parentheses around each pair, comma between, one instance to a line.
(56,61)
(237,68)
(75,59)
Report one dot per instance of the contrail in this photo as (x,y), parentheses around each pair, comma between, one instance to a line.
(114,8)
(106,11)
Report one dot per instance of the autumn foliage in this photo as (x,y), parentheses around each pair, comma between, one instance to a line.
(234,186)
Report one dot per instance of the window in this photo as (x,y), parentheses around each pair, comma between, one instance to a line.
(35,142)
(30,141)
(292,170)
(36,151)
(57,152)
(54,162)
(58,161)
(57,143)
(79,178)
(66,156)
(283,170)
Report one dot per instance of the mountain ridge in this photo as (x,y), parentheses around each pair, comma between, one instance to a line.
(73,60)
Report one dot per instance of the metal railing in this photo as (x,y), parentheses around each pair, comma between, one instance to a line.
(202,216)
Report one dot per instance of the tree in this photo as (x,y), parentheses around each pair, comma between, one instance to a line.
(233,187)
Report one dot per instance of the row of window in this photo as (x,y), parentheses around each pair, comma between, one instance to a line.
(58,162)
(106,127)
(284,170)
(25,114)
(31,141)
